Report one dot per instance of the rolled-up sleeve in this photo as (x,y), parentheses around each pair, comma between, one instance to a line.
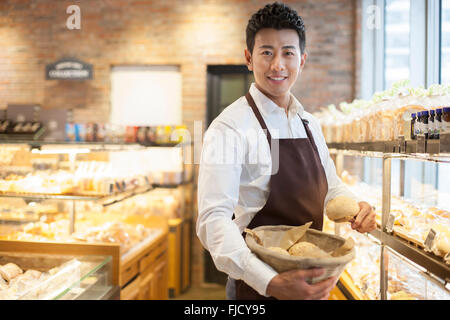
(221,163)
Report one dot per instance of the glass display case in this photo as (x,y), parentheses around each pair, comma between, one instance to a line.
(55,271)
(407,256)
(62,180)
(121,194)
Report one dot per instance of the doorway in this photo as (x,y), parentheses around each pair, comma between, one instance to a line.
(225,84)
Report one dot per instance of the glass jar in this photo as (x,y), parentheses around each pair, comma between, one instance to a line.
(419,125)
(425,126)
(431,126)
(438,121)
(413,124)
(445,120)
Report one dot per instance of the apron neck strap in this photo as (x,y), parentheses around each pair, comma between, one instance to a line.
(258,115)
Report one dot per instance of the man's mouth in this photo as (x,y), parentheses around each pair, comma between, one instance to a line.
(277,78)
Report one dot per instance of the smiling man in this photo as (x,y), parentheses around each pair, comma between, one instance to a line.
(289,186)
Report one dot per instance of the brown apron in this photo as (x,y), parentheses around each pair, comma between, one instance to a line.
(297,190)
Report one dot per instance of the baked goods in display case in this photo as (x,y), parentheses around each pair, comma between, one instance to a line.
(91,178)
(364,270)
(48,277)
(413,221)
(386,117)
(33,284)
(405,281)
(15,210)
(93,175)
(129,236)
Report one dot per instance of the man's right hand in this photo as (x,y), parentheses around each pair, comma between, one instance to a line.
(292,285)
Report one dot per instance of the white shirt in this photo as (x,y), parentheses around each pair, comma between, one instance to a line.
(234,177)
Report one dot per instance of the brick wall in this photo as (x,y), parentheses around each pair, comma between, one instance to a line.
(188,33)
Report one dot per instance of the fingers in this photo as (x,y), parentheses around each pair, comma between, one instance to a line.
(310,273)
(366,219)
(321,290)
(364,211)
(368,224)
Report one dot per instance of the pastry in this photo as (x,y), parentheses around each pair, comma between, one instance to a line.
(402,295)
(278,250)
(3,284)
(9,271)
(307,250)
(32,274)
(342,209)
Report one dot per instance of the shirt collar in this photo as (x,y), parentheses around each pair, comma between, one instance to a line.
(267,106)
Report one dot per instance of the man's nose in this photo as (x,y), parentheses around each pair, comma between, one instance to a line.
(277,63)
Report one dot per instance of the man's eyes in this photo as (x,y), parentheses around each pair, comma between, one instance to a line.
(269,53)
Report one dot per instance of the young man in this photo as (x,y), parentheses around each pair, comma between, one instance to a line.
(293,178)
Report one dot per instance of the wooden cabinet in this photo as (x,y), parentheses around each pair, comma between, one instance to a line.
(131,291)
(146,285)
(145,277)
(186,254)
(159,284)
(175,246)
(179,255)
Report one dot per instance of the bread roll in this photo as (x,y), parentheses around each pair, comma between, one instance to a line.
(3,284)
(32,274)
(278,250)
(342,209)
(307,250)
(10,271)
(402,295)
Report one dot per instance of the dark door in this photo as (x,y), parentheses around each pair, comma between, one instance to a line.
(225,85)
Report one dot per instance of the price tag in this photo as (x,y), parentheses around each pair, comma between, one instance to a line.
(390,223)
(447,257)
(430,239)
(421,143)
(111,188)
(365,287)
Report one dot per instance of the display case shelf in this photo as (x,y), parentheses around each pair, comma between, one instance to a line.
(412,148)
(430,262)
(432,265)
(172,185)
(105,199)
(91,145)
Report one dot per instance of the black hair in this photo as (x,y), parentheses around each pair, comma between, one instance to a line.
(277,16)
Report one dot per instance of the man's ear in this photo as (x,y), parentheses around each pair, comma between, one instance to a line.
(303,61)
(248,59)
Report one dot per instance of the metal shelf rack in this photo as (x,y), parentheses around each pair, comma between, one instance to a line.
(420,149)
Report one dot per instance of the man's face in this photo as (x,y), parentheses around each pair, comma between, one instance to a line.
(276,61)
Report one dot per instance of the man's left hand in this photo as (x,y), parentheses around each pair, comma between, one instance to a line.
(365,219)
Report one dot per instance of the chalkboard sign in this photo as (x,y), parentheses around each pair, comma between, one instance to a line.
(69,69)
